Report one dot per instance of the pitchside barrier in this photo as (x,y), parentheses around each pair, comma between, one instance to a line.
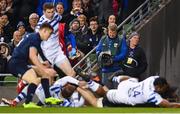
(131,23)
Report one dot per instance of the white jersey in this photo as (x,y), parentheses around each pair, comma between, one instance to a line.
(132,92)
(55,90)
(51,48)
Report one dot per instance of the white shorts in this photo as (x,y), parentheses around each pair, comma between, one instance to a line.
(52,50)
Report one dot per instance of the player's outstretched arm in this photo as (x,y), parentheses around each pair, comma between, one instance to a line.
(88,96)
(165,103)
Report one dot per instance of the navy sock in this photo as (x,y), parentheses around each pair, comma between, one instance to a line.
(45,86)
(30,92)
(40,103)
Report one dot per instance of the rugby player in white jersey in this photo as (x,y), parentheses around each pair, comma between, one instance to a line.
(131,92)
(52,48)
(64,88)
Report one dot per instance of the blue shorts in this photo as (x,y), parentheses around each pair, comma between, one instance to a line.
(18,67)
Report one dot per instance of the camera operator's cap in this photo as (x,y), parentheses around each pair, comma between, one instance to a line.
(134,34)
(20,24)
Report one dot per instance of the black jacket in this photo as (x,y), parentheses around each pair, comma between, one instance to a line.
(135,63)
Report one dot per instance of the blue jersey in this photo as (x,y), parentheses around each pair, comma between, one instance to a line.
(20,56)
(21,52)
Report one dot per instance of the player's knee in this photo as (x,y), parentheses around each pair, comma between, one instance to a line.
(71,73)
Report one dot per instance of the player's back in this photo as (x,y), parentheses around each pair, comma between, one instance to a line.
(143,92)
(132,92)
(21,52)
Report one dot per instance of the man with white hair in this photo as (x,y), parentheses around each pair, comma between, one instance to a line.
(33,20)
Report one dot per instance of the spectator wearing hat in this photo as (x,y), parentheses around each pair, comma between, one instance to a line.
(21,28)
(81,40)
(74,28)
(33,20)
(135,62)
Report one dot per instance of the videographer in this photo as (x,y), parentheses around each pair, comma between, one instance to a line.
(135,63)
(111,50)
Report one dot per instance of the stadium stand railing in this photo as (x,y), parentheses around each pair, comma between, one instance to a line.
(131,23)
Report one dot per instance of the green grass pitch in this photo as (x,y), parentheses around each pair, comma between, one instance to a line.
(21,110)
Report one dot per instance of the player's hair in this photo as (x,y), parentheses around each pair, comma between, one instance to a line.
(68,90)
(48,5)
(160,82)
(47,26)
(60,3)
(94,19)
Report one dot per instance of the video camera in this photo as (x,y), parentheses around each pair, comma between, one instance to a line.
(105,59)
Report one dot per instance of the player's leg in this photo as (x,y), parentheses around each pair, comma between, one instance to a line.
(31,77)
(92,85)
(65,66)
(45,82)
(22,95)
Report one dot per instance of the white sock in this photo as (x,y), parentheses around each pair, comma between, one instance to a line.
(117,79)
(21,96)
(93,85)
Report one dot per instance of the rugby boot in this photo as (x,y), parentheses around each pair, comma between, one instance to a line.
(12,103)
(30,105)
(53,101)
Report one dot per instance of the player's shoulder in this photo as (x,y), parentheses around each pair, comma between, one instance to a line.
(30,35)
(152,78)
(33,38)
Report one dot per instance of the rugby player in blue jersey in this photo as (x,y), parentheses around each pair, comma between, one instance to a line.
(25,64)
